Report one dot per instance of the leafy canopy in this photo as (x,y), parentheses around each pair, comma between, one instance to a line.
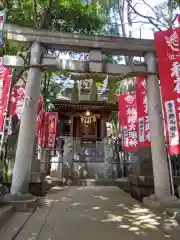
(74,16)
(56,15)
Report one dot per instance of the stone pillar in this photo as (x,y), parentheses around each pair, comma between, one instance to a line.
(108,158)
(25,146)
(43,161)
(102,128)
(37,177)
(77,132)
(100,147)
(35,166)
(140,175)
(72,126)
(144,164)
(68,156)
(77,145)
(159,156)
(38,165)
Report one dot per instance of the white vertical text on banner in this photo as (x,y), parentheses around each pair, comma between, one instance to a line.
(167,45)
(128,120)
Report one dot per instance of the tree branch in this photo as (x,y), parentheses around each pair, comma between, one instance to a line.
(156,13)
(149,6)
(150,19)
(126,23)
(18,75)
(121,16)
(46,15)
(170,13)
(121,12)
(35,13)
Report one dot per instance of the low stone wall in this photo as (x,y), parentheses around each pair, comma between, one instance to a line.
(141,186)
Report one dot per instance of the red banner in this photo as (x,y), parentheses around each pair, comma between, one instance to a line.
(17,98)
(142,112)
(4,88)
(46,130)
(40,104)
(128,120)
(51,121)
(167,49)
(40,130)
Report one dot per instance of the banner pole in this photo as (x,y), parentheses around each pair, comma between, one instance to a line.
(171,175)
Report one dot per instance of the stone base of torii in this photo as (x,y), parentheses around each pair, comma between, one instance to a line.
(96,46)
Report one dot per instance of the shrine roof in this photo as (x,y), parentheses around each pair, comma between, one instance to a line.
(84,105)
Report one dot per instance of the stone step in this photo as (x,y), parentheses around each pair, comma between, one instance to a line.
(92,182)
(34,225)
(6,212)
(50,182)
(13,226)
(123,184)
(174,212)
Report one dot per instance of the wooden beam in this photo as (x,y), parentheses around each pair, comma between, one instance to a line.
(78,42)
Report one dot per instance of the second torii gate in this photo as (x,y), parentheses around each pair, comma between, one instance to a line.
(96,46)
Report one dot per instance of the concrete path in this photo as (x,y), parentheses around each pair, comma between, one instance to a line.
(96,213)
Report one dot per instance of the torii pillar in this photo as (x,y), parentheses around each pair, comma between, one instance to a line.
(159,156)
(25,145)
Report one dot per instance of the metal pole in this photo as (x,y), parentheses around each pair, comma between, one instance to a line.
(171,175)
(140,38)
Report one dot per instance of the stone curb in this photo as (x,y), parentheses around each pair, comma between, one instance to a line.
(5,213)
(174,212)
(24,203)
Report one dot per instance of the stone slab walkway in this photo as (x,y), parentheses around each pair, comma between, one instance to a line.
(96,213)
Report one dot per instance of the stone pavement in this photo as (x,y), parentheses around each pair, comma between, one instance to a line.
(96,213)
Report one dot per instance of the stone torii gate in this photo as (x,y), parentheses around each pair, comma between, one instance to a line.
(39,41)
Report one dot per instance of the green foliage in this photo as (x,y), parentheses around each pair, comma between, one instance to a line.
(56,15)
(112,98)
(93,93)
(73,16)
(112,83)
(109,4)
(50,87)
(75,93)
(127,85)
(175,3)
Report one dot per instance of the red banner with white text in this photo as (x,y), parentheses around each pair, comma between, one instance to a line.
(4,89)
(17,98)
(46,130)
(40,130)
(51,122)
(128,121)
(142,113)
(167,50)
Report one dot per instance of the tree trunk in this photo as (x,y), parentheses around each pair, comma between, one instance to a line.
(170,13)
(121,5)
(25,146)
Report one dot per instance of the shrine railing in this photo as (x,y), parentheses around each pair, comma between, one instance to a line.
(123,165)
